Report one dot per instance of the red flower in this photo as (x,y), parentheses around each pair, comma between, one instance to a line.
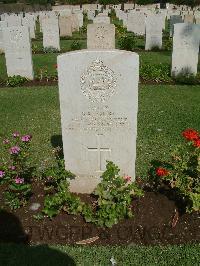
(127,178)
(197,143)
(190,134)
(162,171)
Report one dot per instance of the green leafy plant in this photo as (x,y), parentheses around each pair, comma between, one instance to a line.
(43,74)
(120,31)
(50,50)
(127,42)
(35,48)
(83,30)
(16,171)
(186,77)
(156,73)
(168,43)
(15,81)
(58,195)
(75,45)
(115,194)
(182,173)
(155,48)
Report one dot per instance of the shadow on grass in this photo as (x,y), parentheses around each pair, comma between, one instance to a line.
(14,248)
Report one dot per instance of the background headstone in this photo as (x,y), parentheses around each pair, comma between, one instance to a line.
(101,36)
(173,20)
(50,29)
(185,48)
(153,32)
(65,25)
(136,23)
(18,54)
(101,19)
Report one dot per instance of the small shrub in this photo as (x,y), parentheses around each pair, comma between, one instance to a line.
(182,173)
(15,170)
(50,50)
(156,73)
(35,48)
(155,49)
(127,42)
(187,78)
(83,30)
(62,198)
(15,81)
(43,74)
(114,197)
(120,31)
(168,43)
(75,45)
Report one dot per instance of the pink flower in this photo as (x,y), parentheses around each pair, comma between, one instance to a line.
(14,150)
(12,167)
(127,178)
(19,180)
(2,173)
(6,141)
(26,138)
(16,134)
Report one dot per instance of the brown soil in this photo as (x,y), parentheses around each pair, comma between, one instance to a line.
(36,82)
(154,222)
(40,83)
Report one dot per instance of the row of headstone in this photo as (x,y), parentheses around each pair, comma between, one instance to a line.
(14,20)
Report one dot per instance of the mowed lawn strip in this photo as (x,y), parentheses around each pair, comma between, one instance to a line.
(99,256)
(164,112)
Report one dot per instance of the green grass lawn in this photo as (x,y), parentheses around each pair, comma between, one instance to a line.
(164,112)
(41,61)
(15,255)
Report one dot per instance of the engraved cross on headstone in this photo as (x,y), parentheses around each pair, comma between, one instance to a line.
(102,153)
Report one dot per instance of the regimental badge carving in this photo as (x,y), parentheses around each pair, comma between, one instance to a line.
(98,82)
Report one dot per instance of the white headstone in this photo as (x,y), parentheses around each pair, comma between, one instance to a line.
(101,19)
(30,24)
(50,29)
(136,23)
(101,36)
(65,25)
(153,32)
(174,19)
(75,22)
(91,14)
(189,18)
(3,24)
(14,20)
(185,48)
(99,102)
(18,51)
